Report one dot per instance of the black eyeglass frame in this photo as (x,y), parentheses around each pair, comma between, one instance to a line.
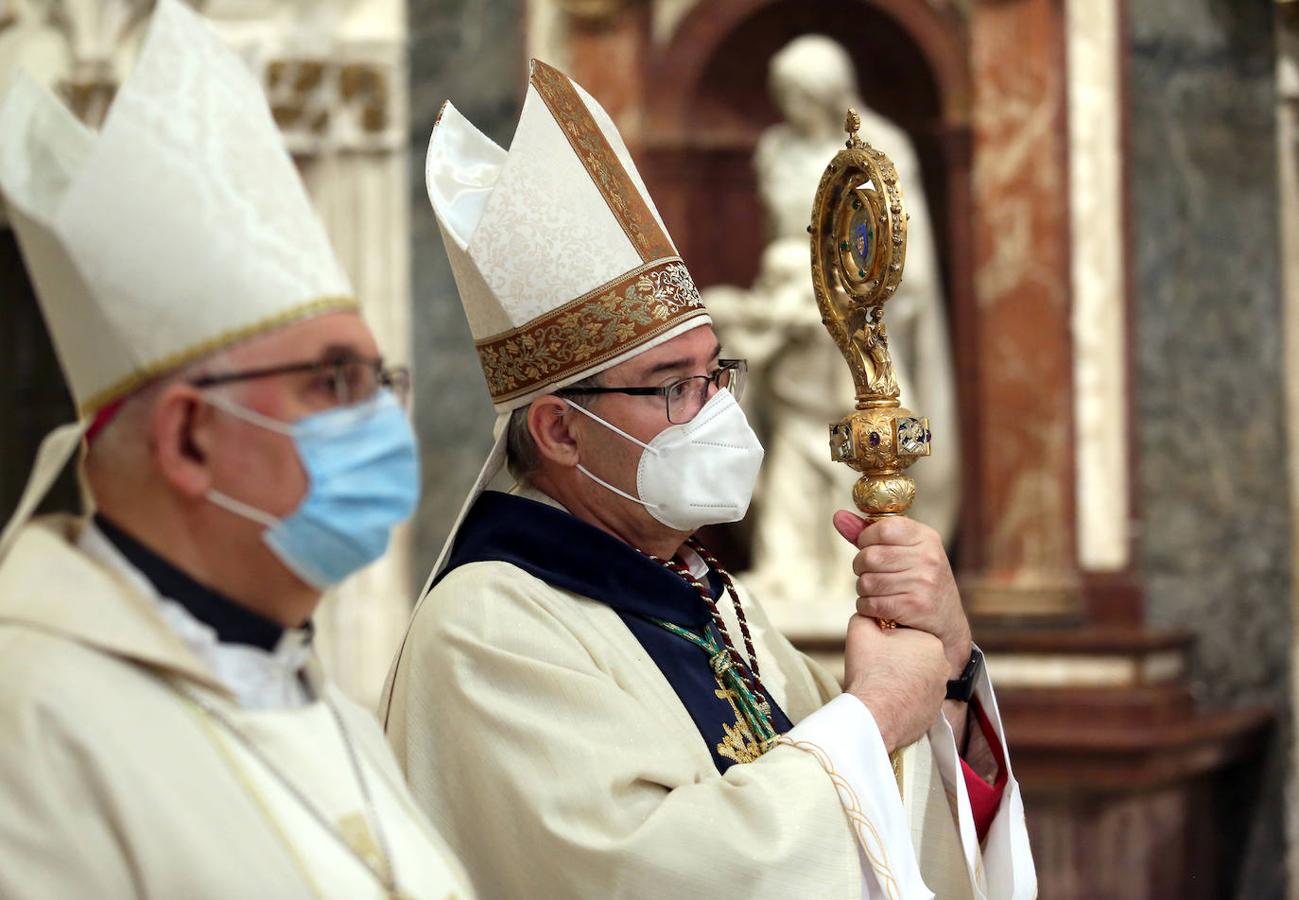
(394,378)
(738,367)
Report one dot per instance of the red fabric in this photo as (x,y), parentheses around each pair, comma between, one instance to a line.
(985,799)
(103,417)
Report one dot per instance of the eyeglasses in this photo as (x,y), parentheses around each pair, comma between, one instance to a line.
(685,397)
(346,380)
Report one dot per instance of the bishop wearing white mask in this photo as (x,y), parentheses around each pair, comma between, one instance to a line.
(166,729)
(586,703)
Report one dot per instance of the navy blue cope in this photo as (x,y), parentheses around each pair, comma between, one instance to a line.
(569,554)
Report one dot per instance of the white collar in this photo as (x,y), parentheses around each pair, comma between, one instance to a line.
(259,679)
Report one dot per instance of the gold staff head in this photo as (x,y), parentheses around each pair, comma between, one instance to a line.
(859,246)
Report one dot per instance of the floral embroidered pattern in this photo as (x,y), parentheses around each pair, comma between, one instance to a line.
(601,163)
(595,327)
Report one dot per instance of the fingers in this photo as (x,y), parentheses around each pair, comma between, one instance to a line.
(924,581)
(894,607)
(865,629)
(881,584)
(850,525)
(884,558)
(898,531)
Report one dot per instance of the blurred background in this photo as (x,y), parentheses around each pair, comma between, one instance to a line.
(1100,307)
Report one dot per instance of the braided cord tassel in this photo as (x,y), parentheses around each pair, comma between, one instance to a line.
(756,712)
(717,567)
(749,673)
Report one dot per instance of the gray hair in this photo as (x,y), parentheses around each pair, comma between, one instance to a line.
(522,457)
(123,444)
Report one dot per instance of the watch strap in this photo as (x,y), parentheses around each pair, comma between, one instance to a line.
(962,688)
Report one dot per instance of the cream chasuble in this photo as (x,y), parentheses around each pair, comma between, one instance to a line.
(127,769)
(556,758)
(528,706)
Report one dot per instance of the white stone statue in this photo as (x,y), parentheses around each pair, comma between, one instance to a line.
(799,383)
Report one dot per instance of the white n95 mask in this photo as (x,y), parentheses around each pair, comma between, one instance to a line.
(698,473)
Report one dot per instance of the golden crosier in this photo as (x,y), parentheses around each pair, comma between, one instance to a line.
(859,247)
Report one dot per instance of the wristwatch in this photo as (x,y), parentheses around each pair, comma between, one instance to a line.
(962,688)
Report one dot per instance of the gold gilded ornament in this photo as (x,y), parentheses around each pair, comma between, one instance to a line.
(859,248)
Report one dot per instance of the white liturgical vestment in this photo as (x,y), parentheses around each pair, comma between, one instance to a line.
(129,769)
(556,758)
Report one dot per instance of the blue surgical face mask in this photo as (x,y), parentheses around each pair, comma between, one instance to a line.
(362,479)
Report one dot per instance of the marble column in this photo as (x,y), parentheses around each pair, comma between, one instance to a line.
(471,52)
(1025,560)
(1098,264)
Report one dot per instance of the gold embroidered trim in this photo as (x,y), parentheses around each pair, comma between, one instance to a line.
(853,808)
(601,162)
(599,325)
(144,375)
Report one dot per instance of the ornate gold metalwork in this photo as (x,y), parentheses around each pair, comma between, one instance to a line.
(859,248)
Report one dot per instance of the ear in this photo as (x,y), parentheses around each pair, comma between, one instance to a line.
(181,437)
(553,428)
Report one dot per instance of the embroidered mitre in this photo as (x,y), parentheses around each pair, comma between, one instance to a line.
(563,264)
(180,228)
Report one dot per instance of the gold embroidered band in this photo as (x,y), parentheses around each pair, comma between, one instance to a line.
(145,374)
(602,164)
(592,329)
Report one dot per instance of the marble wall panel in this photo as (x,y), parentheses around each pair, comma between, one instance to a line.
(1212,479)
(470,51)
(1022,288)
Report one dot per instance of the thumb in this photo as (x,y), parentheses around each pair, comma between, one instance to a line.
(850,525)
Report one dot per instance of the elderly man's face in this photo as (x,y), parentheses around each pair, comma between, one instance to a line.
(613,457)
(261,466)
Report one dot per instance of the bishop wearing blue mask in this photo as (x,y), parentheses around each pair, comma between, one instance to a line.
(586,703)
(166,728)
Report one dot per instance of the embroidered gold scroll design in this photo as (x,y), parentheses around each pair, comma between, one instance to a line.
(601,162)
(595,327)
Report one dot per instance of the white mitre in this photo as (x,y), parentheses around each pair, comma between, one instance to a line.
(180,228)
(563,264)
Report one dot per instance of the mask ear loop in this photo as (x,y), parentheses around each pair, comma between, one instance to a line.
(239,508)
(616,430)
(251,416)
